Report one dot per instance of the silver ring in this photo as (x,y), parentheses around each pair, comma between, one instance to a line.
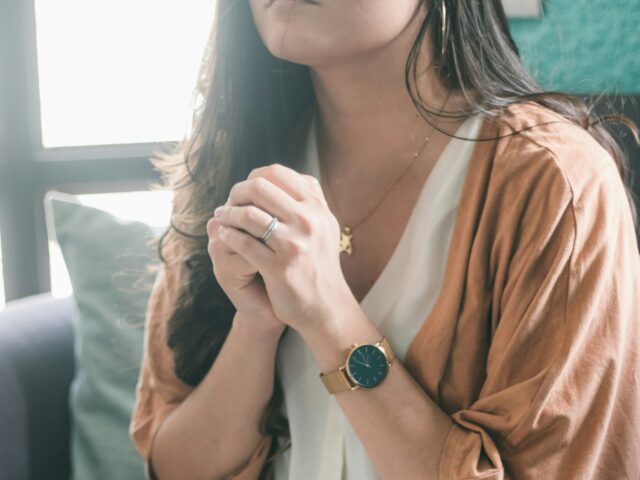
(271,229)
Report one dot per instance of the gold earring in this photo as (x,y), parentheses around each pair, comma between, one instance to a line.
(443,9)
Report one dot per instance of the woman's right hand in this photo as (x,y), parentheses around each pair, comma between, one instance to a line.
(242,284)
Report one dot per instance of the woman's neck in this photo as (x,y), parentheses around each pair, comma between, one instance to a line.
(365,115)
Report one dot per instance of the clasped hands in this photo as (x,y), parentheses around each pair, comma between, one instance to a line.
(299,265)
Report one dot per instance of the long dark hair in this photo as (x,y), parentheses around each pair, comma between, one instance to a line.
(250,108)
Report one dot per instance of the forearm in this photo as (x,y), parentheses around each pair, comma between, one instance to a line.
(402,429)
(215,429)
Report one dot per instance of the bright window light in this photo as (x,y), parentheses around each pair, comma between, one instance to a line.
(118,72)
(151,207)
(523,8)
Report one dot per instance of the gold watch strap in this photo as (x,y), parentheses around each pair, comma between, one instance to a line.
(384,343)
(338,380)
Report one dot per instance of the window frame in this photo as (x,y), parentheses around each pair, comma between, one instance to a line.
(28,170)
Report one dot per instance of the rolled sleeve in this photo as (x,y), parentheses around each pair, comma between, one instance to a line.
(159,391)
(560,397)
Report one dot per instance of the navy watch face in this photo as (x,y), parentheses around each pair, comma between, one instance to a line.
(367,366)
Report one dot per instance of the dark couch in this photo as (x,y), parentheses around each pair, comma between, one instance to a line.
(36,369)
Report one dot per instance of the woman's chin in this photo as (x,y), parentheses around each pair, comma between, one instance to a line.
(294,49)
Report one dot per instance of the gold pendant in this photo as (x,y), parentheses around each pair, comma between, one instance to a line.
(345,241)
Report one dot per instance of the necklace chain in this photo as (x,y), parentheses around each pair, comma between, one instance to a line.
(346,236)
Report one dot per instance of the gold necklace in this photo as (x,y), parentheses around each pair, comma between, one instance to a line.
(346,233)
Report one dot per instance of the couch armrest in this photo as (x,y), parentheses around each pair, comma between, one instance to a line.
(36,369)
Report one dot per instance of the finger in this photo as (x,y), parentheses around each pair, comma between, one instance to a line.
(253,250)
(215,243)
(251,219)
(265,195)
(228,262)
(315,187)
(288,179)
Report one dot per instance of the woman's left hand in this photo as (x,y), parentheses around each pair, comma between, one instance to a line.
(300,262)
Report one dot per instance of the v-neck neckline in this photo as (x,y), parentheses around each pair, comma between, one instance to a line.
(313,166)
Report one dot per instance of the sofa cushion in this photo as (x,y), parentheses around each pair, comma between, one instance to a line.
(110,263)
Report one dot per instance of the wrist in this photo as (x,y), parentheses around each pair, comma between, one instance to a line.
(338,307)
(252,332)
(331,340)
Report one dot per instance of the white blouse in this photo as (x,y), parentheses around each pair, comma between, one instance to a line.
(323,444)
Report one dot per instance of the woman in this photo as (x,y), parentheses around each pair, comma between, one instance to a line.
(485,267)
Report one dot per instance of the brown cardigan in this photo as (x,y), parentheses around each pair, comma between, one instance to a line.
(532,346)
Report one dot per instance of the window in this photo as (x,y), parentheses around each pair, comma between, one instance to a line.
(88,89)
(119,71)
(523,8)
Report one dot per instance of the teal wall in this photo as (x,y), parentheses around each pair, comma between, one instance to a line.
(583,46)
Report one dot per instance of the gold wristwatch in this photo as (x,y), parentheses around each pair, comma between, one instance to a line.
(367,366)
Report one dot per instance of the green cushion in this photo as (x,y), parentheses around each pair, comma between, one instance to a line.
(107,259)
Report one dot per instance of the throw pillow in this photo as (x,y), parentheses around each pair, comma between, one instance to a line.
(108,261)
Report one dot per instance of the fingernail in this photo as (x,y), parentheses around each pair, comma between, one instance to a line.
(218,211)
